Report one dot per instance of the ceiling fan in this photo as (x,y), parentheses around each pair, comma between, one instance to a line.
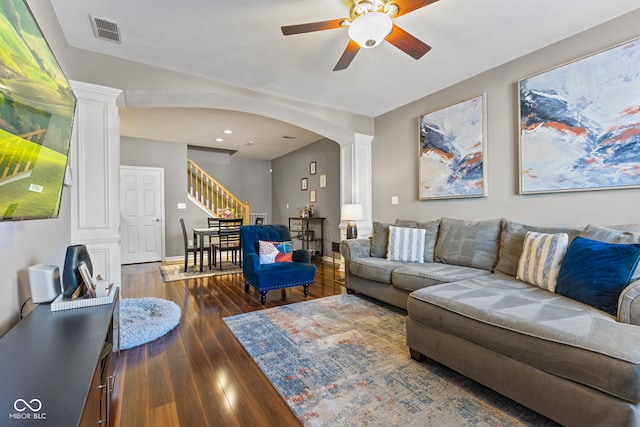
(370,22)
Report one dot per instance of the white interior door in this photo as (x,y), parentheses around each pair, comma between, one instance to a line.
(141,214)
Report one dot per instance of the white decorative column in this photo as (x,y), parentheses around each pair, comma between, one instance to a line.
(95,175)
(355,181)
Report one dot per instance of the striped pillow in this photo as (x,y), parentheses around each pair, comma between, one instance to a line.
(541,257)
(406,244)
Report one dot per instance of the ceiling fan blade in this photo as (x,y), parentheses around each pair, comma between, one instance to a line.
(407,43)
(312,26)
(347,56)
(406,6)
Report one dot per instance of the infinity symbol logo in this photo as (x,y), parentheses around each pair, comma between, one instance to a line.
(21,405)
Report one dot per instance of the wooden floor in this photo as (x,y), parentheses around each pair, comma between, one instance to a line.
(199,375)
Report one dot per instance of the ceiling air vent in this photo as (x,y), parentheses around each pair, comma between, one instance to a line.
(105,29)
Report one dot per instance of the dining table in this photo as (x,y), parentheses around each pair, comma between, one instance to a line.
(199,234)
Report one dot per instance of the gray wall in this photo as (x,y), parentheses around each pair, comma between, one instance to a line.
(249,180)
(288,171)
(395,148)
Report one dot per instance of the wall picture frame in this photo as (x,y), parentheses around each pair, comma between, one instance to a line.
(579,124)
(323,181)
(313,196)
(87,280)
(312,168)
(304,184)
(452,153)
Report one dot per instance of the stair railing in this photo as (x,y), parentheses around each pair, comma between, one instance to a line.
(213,196)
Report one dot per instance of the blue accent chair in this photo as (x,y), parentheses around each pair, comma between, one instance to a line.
(266,277)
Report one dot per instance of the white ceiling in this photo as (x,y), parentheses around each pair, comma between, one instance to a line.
(239,43)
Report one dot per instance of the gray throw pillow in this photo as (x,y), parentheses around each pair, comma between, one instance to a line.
(512,240)
(469,243)
(431,238)
(379,239)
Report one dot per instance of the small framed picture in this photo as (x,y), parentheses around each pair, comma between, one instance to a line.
(87,280)
(323,181)
(312,168)
(312,196)
(303,184)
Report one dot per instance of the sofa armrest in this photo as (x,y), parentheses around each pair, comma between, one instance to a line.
(355,248)
(301,255)
(629,304)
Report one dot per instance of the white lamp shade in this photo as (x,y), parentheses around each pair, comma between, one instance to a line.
(370,29)
(351,212)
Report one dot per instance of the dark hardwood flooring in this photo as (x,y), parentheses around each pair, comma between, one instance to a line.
(198,374)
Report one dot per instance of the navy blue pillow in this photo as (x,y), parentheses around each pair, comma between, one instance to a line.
(595,273)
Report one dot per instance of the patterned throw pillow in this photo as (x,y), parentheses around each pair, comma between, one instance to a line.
(541,257)
(406,244)
(272,252)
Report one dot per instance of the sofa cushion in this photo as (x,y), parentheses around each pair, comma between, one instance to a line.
(379,239)
(595,273)
(406,244)
(417,276)
(430,239)
(614,234)
(512,240)
(541,329)
(469,243)
(541,257)
(372,268)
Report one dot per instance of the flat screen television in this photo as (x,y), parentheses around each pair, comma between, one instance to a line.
(37,107)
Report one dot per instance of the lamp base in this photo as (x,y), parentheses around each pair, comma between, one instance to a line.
(352,230)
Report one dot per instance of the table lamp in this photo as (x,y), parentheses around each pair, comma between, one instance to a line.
(351,213)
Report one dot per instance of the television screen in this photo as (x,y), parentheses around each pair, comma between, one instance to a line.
(37,107)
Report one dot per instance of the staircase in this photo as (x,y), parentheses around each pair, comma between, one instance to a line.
(212,196)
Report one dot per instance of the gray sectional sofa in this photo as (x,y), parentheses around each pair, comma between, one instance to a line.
(566,359)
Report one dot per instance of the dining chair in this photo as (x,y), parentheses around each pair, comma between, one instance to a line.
(191,248)
(228,241)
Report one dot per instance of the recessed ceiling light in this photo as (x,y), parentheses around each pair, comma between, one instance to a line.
(251,142)
(219,139)
(227,131)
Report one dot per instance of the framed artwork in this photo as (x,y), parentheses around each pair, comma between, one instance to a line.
(303,184)
(580,124)
(452,160)
(323,181)
(312,168)
(313,196)
(87,280)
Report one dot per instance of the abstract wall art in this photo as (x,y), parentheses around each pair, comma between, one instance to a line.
(580,124)
(452,157)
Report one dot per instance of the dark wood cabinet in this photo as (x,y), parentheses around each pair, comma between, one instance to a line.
(56,366)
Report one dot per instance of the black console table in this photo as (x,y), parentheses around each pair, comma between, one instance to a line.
(54,367)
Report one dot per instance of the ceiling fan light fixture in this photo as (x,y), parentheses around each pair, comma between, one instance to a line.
(369,29)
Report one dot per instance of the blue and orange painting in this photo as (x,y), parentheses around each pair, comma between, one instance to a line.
(580,124)
(452,151)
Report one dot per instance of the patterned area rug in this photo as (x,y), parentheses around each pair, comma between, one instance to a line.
(174,272)
(343,360)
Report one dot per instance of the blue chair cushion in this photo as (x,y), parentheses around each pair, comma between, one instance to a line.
(284,275)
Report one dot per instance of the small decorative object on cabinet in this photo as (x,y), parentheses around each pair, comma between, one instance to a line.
(310,232)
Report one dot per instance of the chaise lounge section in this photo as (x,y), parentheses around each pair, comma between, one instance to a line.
(469,309)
